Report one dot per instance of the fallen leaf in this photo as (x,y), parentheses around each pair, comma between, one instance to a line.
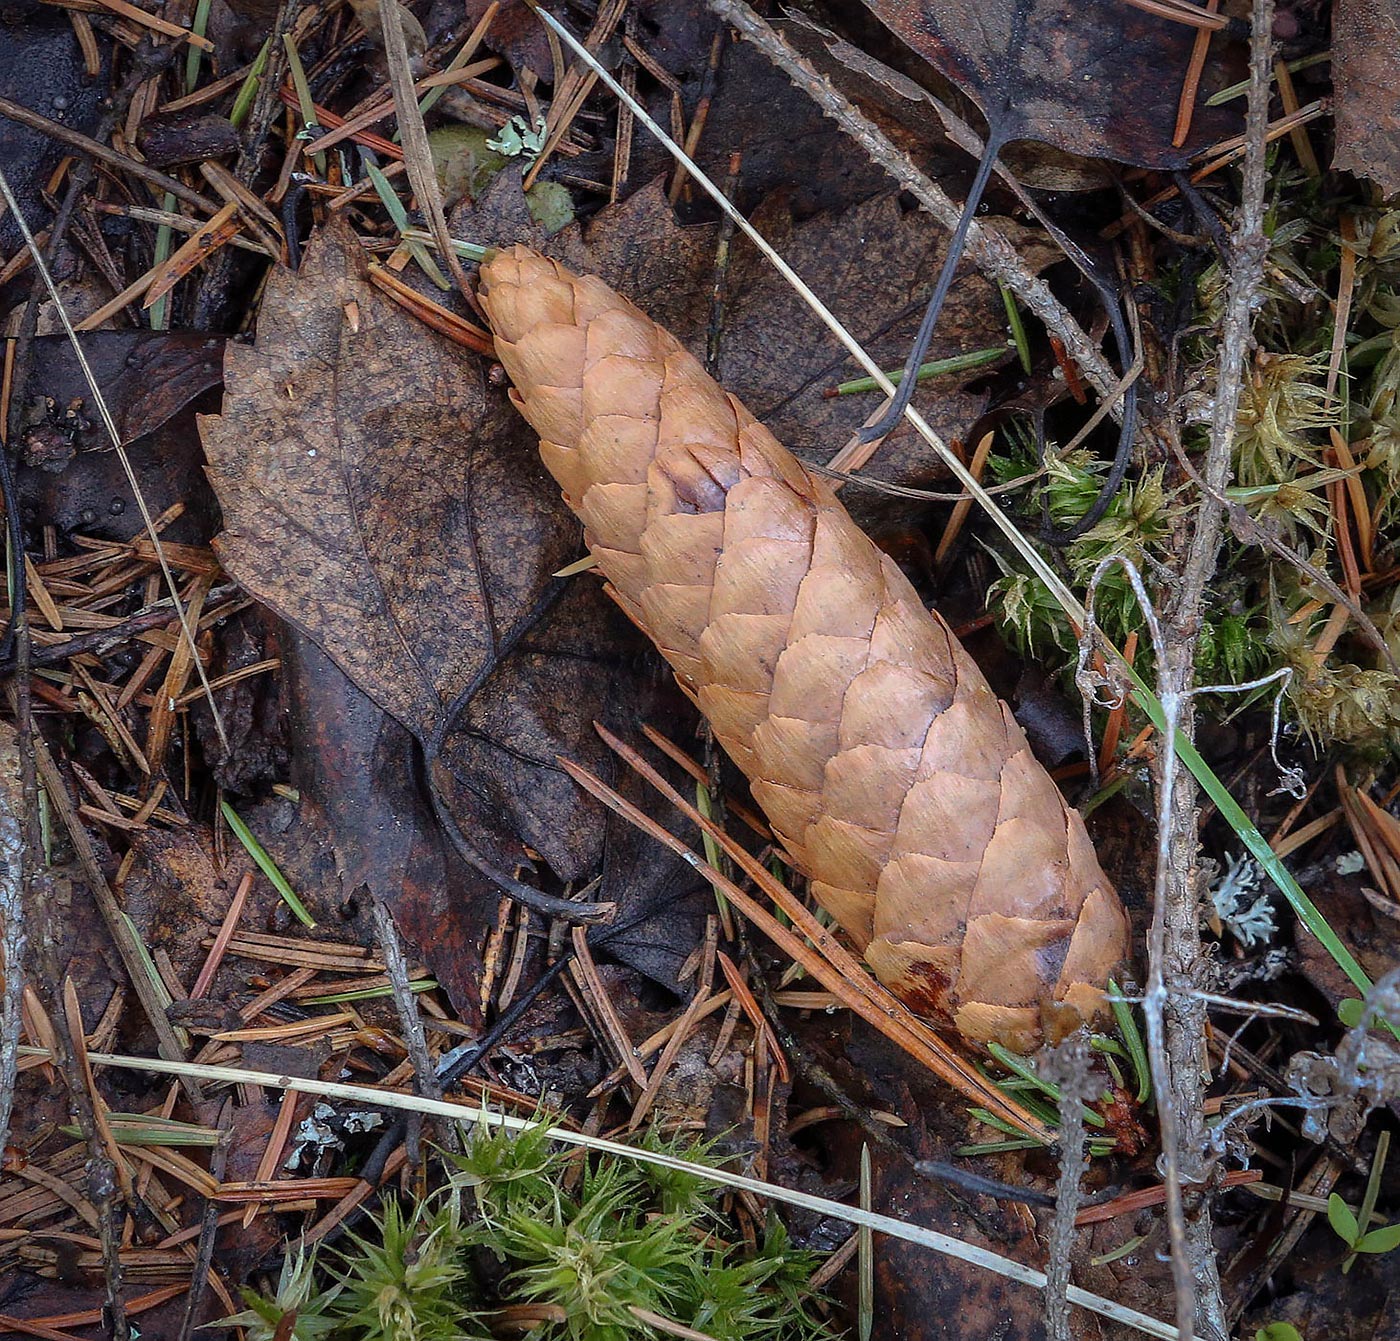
(152,381)
(637,245)
(374,494)
(354,768)
(901,107)
(387,503)
(1366,77)
(177,898)
(515,33)
(146,378)
(872,264)
(1099,78)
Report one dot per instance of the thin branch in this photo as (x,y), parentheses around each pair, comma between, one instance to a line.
(425,1080)
(1068,1067)
(12,938)
(1175,1013)
(87,145)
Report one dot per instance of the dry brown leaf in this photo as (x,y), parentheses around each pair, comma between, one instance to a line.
(383,499)
(1099,78)
(873,263)
(355,467)
(1366,76)
(378,496)
(152,381)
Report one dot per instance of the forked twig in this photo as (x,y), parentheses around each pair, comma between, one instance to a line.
(1175,1018)
(425,1080)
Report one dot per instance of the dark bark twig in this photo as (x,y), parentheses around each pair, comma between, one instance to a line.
(13,853)
(85,144)
(1068,1067)
(209,1224)
(425,1080)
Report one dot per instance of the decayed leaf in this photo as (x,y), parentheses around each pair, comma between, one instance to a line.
(895,778)
(385,501)
(379,496)
(637,244)
(356,468)
(872,263)
(515,33)
(1096,77)
(40,63)
(152,382)
(1366,76)
(146,377)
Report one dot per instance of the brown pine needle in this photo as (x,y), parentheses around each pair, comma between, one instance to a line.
(217,951)
(958,517)
(1302,145)
(1346,285)
(585,973)
(73,1013)
(748,1003)
(1113,728)
(1191,85)
(276,1141)
(455,328)
(1356,493)
(825,958)
(738,809)
(1178,11)
(198,247)
(155,24)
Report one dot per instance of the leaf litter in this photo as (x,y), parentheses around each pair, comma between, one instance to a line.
(394,649)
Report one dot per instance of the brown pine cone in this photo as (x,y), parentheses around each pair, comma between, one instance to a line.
(899,784)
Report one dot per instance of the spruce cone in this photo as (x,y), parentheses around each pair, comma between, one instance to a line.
(899,784)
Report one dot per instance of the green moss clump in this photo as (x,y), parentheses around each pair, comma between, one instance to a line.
(595,1247)
(1301,451)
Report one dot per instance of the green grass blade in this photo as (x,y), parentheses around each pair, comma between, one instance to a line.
(248,90)
(977,358)
(1132,1040)
(1018,328)
(305,102)
(365,993)
(194,55)
(265,864)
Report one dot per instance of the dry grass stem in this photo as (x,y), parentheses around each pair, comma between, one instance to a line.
(470,1113)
